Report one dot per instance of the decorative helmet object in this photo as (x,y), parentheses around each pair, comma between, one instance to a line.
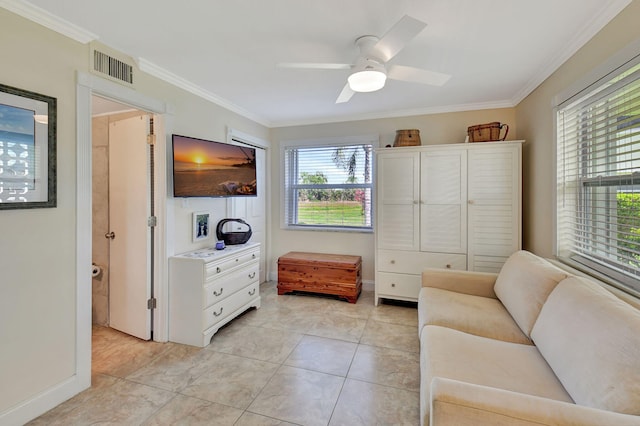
(235,237)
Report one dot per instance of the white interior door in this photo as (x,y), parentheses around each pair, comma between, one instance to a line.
(253,210)
(129,283)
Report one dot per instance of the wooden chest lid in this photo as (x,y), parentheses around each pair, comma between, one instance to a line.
(324,259)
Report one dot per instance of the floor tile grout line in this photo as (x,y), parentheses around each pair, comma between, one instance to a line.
(332,307)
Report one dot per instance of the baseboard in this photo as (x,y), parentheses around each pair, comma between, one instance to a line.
(368,285)
(43,402)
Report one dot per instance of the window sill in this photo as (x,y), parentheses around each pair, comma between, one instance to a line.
(328,229)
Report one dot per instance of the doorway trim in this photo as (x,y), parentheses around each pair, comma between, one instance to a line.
(87,86)
(242,137)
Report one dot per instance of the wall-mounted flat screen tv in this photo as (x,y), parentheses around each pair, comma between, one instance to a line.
(203,168)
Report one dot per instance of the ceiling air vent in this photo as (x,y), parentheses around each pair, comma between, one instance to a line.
(112,67)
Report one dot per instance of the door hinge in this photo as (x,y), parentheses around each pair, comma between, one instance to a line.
(151,303)
(151,139)
(152,221)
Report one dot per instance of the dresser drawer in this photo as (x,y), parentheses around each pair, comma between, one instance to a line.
(413,262)
(226,307)
(402,286)
(215,269)
(217,290)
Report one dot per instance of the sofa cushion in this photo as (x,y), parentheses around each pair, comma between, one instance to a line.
(482,316)
(465,404)
(523,284)
(453,354)
(591,339)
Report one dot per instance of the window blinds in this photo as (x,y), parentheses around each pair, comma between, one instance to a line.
(598,179)
(328,186)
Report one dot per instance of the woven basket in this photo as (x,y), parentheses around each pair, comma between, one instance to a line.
(487,132)
(232,238)
(409,137)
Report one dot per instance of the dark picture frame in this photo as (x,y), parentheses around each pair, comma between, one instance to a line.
(28,127)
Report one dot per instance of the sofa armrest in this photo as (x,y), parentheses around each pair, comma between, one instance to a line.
(459,403)
(474,283)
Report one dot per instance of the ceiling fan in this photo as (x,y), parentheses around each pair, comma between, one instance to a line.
(370,70)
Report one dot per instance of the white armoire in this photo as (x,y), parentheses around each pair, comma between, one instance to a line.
(455,206)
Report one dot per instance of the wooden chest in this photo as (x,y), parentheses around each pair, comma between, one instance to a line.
(336,274)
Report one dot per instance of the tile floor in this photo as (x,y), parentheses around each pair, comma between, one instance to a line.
(298,360)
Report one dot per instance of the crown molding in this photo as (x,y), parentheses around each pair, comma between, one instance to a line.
(397,114)
(46,19)
(171,78)
(582,37)
(163,74)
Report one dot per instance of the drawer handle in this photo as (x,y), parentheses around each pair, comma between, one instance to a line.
(252,292)
(393,284)
(218,270)
(448,266)
(218,293)
(252,275)
(393,262)
(253,256)
(217,314)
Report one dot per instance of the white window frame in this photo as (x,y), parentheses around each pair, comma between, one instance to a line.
(286,199)
(624,60)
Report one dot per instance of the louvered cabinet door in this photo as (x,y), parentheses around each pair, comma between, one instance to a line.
(494,205)
(398,211)
(443,201)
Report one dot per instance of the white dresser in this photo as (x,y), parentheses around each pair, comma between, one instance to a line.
(208,288)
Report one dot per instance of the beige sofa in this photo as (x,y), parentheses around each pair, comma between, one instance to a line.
(530,345)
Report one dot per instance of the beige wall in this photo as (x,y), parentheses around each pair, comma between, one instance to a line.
(38,246)
(434,129)
(535,120)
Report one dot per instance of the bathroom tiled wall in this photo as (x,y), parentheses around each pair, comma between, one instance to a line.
(100,187)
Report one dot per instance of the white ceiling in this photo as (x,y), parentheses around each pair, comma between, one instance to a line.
(497,51)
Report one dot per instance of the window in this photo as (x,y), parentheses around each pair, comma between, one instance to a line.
(598,180)
(329,186)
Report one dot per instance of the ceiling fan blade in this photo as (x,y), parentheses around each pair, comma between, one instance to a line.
(314,65)
(398,36)
(345,95)
(417,75)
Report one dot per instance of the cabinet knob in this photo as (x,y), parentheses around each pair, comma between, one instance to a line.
(218,293)
(217,314)
(471,202)
(448,266)
(252,292)
(253,256)
(237,260)
(393,262)
(218,270)
(252,275)
(393,284)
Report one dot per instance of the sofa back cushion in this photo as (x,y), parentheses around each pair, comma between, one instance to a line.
(591,340)
(523,285)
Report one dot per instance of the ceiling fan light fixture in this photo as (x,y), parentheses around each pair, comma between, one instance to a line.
(367,81)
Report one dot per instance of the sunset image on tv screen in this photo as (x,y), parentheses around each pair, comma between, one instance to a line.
(204,168)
